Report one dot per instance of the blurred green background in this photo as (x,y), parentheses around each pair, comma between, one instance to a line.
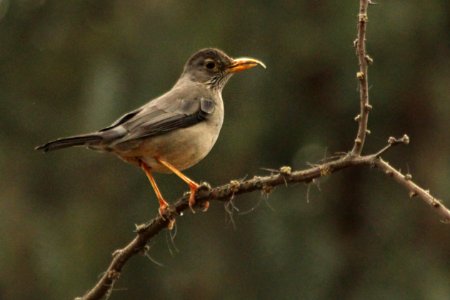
(68,67)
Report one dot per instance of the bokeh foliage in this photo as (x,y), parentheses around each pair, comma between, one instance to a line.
(73,66)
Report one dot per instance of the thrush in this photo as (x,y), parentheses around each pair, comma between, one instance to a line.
(174,131)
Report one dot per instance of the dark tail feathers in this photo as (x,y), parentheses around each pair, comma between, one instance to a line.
(79,140)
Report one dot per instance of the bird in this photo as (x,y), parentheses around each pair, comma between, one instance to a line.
(174,131)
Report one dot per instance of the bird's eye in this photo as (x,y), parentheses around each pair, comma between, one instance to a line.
(210,65)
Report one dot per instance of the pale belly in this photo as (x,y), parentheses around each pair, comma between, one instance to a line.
(182,148)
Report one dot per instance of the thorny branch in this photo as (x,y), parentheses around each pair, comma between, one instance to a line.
(284,176)
(362,76)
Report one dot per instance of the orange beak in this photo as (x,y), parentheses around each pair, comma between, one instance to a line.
(244,63)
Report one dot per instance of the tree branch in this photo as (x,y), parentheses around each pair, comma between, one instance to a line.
(284,176)
(362,76)
(262,183)
(414,189)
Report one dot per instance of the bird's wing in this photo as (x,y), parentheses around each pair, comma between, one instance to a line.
(122,119)
(160,117)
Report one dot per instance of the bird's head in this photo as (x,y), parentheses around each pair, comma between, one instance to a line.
(213,67)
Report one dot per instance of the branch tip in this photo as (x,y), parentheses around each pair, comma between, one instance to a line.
(405,139)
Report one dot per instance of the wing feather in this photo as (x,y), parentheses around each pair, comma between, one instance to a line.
(162,117)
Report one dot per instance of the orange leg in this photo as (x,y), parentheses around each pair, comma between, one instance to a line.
(162,203)
(193,186)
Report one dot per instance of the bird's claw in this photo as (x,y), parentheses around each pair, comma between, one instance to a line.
(192,200)
(164,213)
(203,186)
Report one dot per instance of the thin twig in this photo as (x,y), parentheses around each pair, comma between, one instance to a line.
(414,189)
(362,76)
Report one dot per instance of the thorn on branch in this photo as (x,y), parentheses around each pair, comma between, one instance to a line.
(412,194)
(113,275)
(325,170)
(367,107)
(360,75)
(144,250)
(355,43)
(372,2)
(368,131)
(435,203)
(408,176)
(358,141)
(369,59)
(357,118)
(234,186)
(138,228)
(286,170)
(267,189)
(116,252)
(363,18)
(258,183)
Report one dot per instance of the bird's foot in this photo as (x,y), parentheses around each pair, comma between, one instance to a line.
(205,206)
(164,212)
(171,223)
(195,189)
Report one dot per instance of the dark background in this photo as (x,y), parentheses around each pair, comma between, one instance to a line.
(68,67)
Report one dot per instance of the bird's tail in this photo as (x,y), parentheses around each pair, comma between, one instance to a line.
(71,141)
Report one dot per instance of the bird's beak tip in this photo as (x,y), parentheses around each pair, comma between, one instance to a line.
(244,63)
